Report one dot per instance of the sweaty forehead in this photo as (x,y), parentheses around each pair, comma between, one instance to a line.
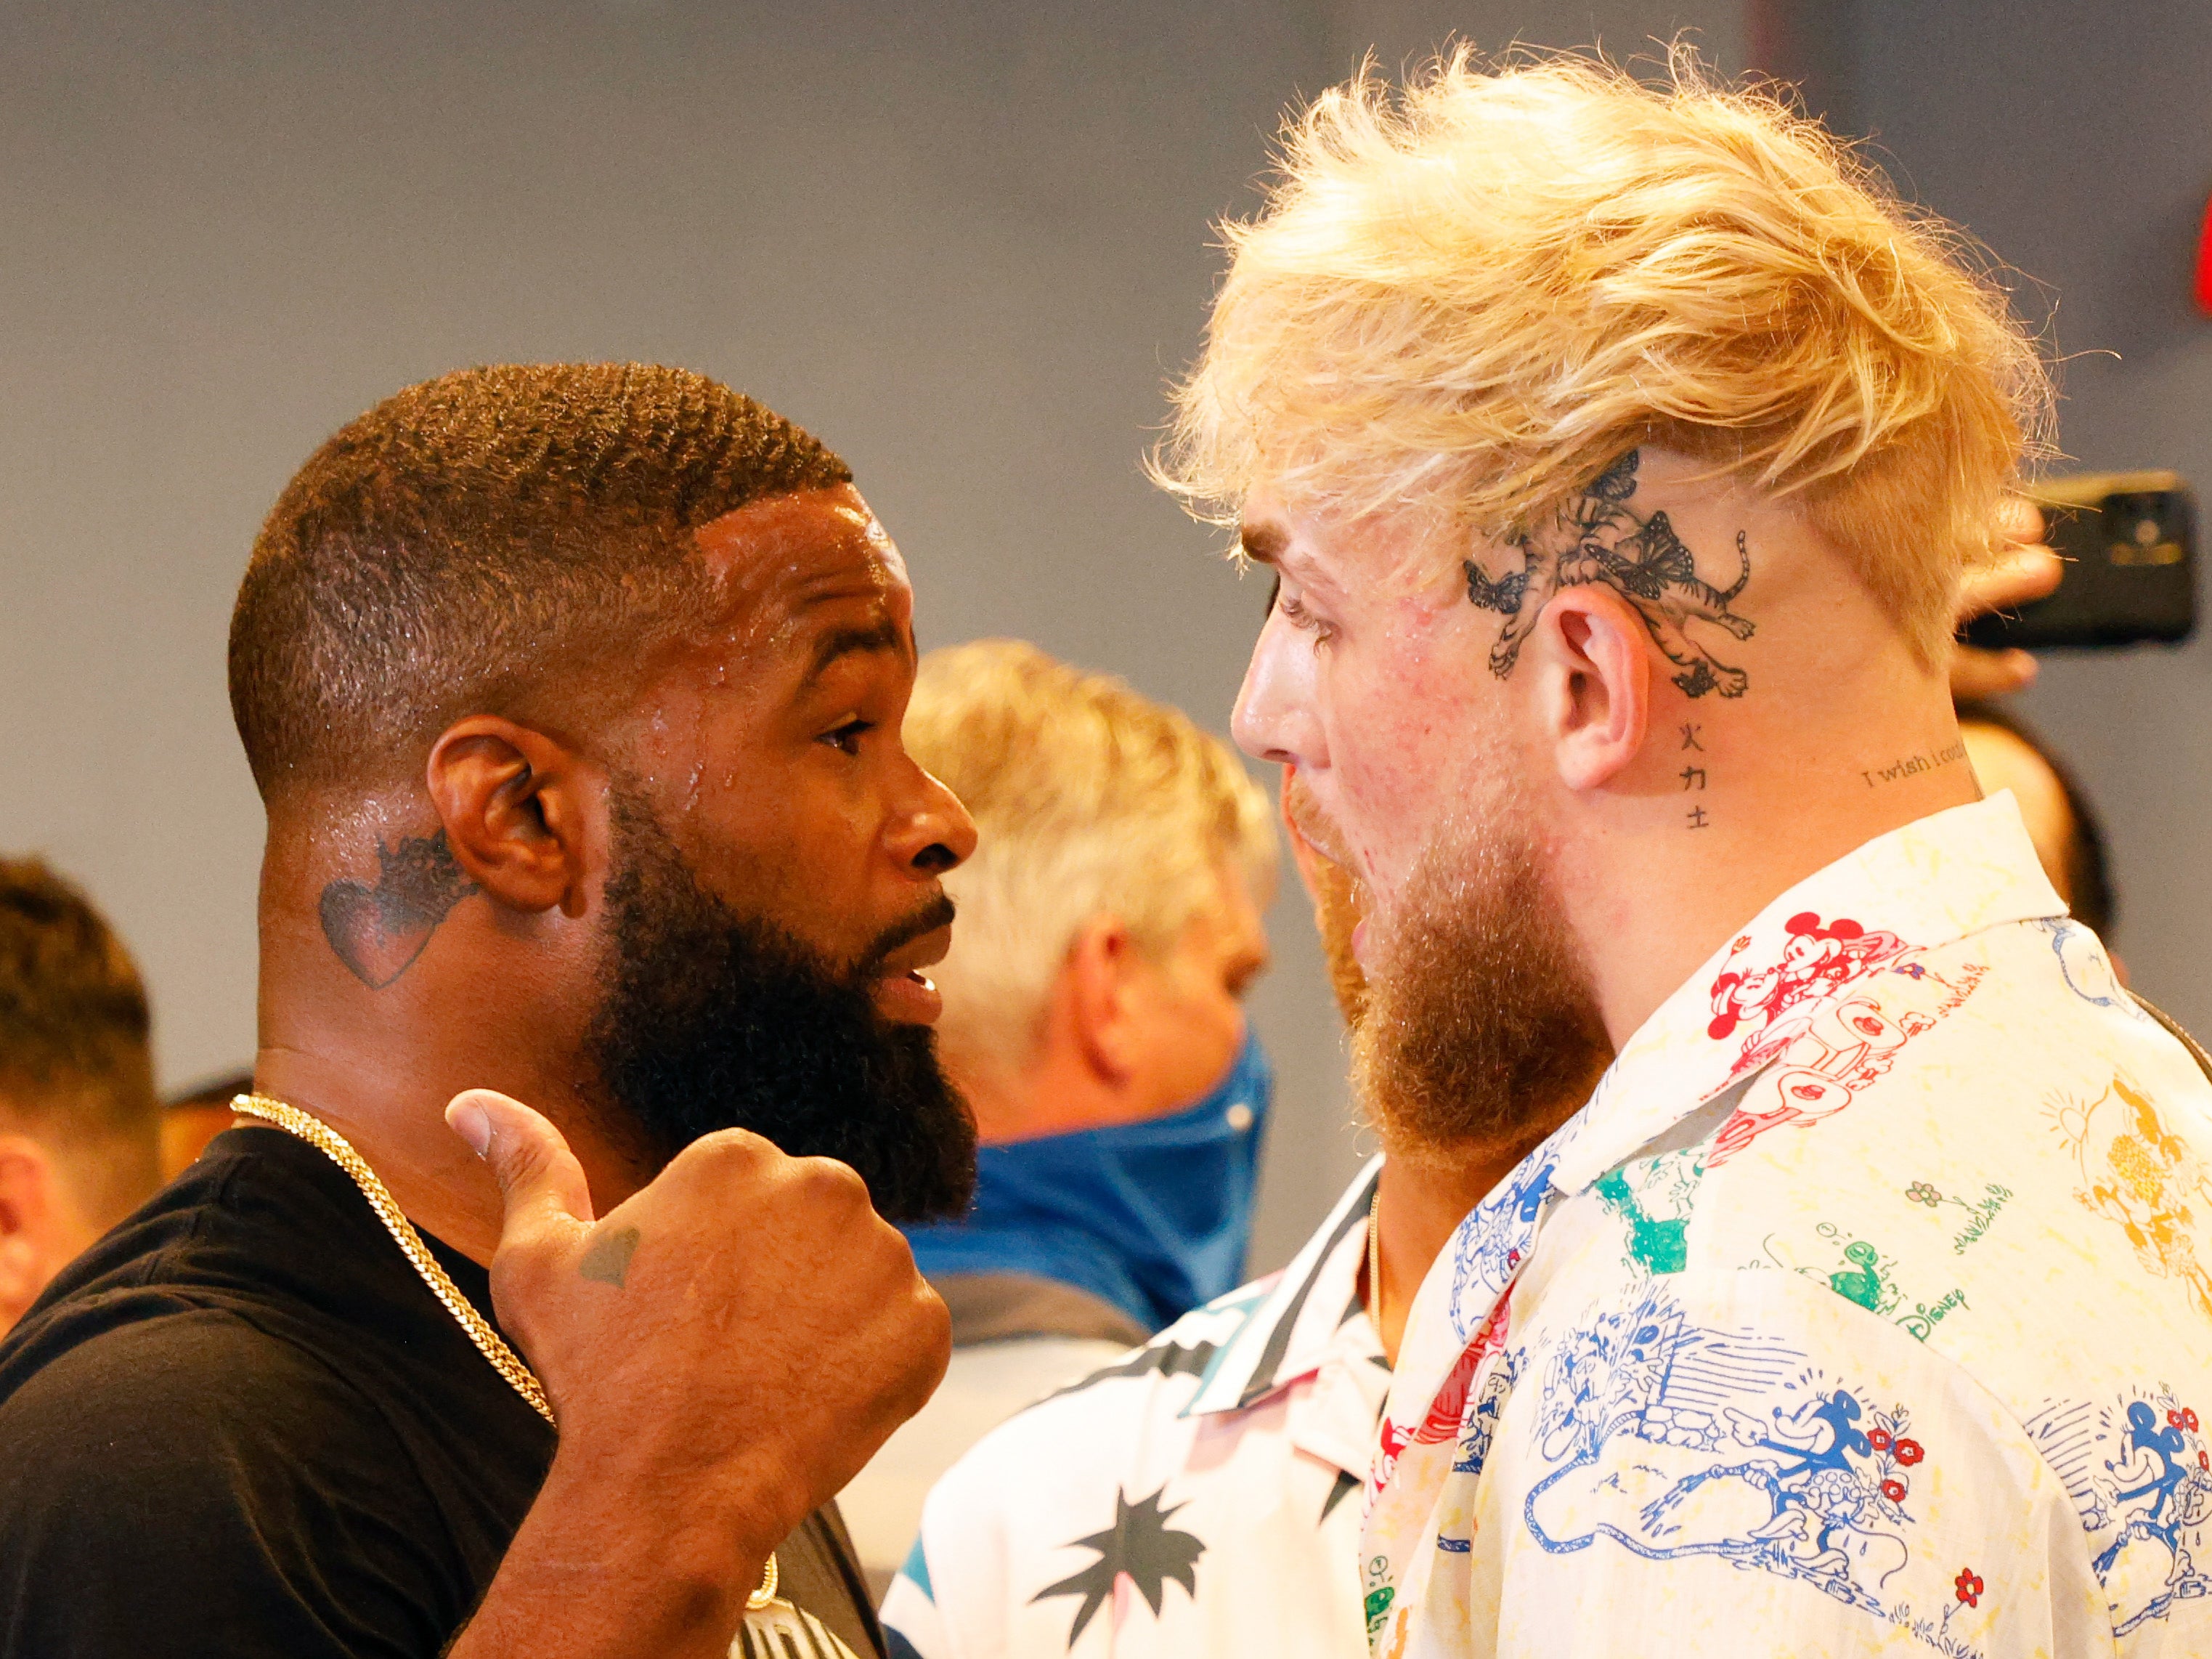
(784,564)
(1324,554)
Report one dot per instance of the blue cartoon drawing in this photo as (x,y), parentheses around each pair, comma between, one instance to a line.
(1479,1427)
(2154,1454)
(2140,1472)
(1487,1248)
(1672,1440)
(2084,966)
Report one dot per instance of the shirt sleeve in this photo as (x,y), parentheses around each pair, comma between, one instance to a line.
(987,1543)
(146,1514)
(950,1599)
(913,1629)
(1747,1462)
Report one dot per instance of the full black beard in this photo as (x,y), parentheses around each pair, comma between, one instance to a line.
(716,1020)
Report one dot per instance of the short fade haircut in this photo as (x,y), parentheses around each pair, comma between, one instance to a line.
(1464,301)
(477,543)
(1088,799)
(75,1062)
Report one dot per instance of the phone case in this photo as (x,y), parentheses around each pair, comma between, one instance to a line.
(2128,540)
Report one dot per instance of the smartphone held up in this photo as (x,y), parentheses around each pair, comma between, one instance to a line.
(2129,542)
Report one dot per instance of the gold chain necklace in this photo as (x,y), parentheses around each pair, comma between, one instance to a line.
(489,1342)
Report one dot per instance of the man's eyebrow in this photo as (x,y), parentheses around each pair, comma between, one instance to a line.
(884,636)
(1263,544)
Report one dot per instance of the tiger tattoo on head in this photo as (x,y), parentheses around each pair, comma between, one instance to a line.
(1596,537)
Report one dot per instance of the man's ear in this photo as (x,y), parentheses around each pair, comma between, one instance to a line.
(525,815)
(1100,963)
(1593,687)
(35,1224)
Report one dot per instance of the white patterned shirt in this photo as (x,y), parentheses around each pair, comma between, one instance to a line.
(1866,1307)
(1199,1498)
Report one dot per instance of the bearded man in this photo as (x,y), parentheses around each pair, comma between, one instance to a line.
(573,693)
(1215,1470)
(1618,449)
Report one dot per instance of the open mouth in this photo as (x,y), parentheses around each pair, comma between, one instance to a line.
(908,997)
(904,991)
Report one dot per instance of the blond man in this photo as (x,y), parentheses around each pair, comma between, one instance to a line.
(1619,449)
(1110,927)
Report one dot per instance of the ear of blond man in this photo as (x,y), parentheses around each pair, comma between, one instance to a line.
(1678,809)
(723,1350)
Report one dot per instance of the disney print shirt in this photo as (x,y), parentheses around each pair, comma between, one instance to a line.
(1199,1498)
(1866,1307)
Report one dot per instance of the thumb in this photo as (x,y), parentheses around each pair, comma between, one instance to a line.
(539,1178)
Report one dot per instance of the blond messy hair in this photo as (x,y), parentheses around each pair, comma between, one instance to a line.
(1464,300)
(1088,799)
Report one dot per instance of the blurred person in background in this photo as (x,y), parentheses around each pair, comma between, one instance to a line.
(1110,925)
(2021,569)
(2008,753)
(195,1116)
(80,1127)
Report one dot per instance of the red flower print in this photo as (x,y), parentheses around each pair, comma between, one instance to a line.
(1970,1586)
(2204,1459)
(1893,1490)
(2189,1420)
(1909,1452)
(1878,1439)
(2173,1420)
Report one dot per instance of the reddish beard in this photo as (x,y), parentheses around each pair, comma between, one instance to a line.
(1339,900)
(1481,1026)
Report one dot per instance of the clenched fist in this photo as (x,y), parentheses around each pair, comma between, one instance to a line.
(723,1350)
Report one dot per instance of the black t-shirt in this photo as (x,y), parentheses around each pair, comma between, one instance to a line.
(241,1425)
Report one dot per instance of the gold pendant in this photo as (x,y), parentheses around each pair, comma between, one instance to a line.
(780,1630)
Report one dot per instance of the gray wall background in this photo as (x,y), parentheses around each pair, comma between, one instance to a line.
(967,242)
(2077,143)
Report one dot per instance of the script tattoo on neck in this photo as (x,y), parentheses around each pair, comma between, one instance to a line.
(1596,536)
(1914,764)
(378,931)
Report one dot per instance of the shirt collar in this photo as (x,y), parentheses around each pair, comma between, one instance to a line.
(1929,883)
(1289,1332)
